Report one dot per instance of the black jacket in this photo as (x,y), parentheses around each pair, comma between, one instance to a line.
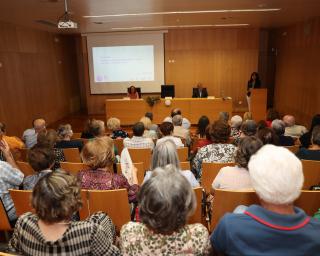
(196,93)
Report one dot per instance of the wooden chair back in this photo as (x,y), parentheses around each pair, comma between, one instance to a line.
(309,201)
(73,168)
(197,215)
(84,212)
(185,166)
(72,155)
(294,149)
(113,202)
(311,172)
(26,168)
(119,144)
(182,154)
(21,200)
(140,174)
(209,173)
(76,136)
(4,221)
(139,155)
(227,200)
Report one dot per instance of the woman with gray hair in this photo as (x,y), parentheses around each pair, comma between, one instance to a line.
(166,201)
(64,138)
(165,153)
(279,128)
(276,227)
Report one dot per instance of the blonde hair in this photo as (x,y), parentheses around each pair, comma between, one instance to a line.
(113,123)
(146,122)
(98,153)
(247,116)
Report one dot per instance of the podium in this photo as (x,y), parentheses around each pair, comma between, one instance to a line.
(259,104)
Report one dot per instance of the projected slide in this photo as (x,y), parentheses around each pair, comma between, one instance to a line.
(123,63)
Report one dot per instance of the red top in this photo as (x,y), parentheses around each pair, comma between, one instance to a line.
(100,179)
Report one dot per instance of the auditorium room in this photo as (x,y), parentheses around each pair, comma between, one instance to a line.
(160,127)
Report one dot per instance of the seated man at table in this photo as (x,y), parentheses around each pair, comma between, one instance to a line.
(199,92)
(138,141)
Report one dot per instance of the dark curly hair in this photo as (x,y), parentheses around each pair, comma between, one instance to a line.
(248,146)
(219,132)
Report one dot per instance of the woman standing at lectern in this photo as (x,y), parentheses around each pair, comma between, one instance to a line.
(133,93)
(253,83)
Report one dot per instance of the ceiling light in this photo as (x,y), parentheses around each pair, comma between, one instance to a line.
(183,12)
(182,26)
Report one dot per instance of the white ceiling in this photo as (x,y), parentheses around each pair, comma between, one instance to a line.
(148,14)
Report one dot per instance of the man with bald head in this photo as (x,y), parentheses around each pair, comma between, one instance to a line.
(30,135)
(292,129)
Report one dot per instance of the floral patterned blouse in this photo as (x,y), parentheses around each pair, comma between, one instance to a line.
(220,153)
(101,179)
(137,239)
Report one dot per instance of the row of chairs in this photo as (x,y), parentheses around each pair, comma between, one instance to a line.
(115,204)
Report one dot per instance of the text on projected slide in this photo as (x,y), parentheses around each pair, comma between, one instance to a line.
(123,63)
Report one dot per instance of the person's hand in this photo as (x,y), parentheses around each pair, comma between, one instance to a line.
(4,147)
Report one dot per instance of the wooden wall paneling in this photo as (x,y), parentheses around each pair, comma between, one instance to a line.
(38,77)
(297,88)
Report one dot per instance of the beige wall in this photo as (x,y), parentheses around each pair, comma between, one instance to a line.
(297,89)
(38,77)
(222,59)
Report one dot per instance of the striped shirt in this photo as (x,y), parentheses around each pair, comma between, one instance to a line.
(93,236)
(138,142)
(10,178)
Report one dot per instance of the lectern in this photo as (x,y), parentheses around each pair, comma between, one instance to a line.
(259,104)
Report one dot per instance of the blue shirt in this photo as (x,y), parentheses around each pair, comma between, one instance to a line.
(262,232)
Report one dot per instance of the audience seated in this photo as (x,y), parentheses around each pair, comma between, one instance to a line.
(148,133)
(41,160)
(98,154)
(166,153)
(50,231)
(279,127)
(247,116)
(224,116)
(185,122)
(220,150)
(153,127)
(272,114)
(138,141)
(235,123)
(292,129)
(64,135)
(14,142)
(166,201)
(48,139)
(179,130)
(93,129)
(10,178)
(261,125)
(166,129)
(86,134)
(276,227)
(248,128)
(313,152)
(202,134)
(113,125)
(30,135)
(268,136)
(238,177)
(305,139)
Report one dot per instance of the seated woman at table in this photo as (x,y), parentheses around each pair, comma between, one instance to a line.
(133,93)
(50,230)
(98,154)
(166,201)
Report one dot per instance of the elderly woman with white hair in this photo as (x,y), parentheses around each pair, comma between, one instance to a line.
(165,153)
(166,201)
(114,125)
(235,123)
(276,227)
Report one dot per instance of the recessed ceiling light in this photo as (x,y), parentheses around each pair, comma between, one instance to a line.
(183,12)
